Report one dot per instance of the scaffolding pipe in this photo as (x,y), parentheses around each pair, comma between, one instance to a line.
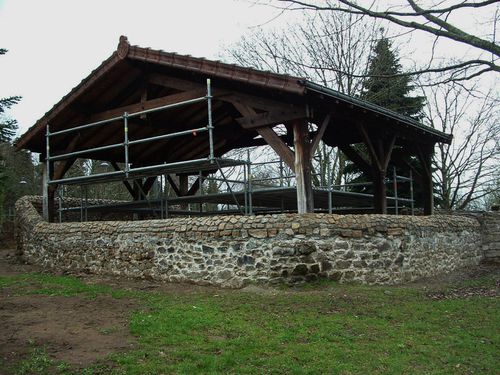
(229,187)
(134,114)
(330,188)
(86,126)
(125,142)
(210,123)
(167,106)
(249,173)
(167,136)
(81,152)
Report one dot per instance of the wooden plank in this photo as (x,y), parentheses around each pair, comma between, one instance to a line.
(305,198)
(320,133)
(272,118)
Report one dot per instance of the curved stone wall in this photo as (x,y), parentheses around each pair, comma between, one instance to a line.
(236,250)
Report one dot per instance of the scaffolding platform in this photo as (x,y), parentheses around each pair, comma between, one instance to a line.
(275,199)
(184,167)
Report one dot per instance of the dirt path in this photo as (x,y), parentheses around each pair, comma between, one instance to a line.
(76,330)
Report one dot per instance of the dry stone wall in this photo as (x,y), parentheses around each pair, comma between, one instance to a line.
(233,251)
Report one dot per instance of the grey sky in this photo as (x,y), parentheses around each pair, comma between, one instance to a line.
(54,44)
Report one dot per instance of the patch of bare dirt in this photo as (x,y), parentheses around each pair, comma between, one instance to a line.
(71,329)
(462,293)
(76,330)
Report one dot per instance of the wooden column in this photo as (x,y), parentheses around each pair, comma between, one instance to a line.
(379,191)
(183,188)
(425,155)
(380,151)
(305,197)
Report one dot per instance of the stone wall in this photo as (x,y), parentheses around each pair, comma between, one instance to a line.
(490,222)
(236,250)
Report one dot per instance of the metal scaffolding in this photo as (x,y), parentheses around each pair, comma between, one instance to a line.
(245,196)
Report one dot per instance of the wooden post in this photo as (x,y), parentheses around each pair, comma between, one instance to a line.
(380,155)
(305,198)
(183,188)
(379,191)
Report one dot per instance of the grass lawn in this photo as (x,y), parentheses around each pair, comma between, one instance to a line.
(323,328)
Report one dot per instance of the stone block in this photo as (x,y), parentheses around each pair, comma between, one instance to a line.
(300,270)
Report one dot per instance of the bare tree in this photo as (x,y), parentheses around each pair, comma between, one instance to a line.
(433,19)
(329,48)
(466,170)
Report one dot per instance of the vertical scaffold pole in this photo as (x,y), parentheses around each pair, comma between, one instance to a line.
(46,176)
(395,184)
(210,121)
(245,188)
(249,173)
(125,141)
(330,188)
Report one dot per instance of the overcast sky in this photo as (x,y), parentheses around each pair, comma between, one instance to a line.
(54,44)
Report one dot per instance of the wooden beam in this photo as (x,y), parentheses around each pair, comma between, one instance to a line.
(174,185)
(197,184)
(229,96)
(272,118)
(356,158)
(278,146)
(369,145)
(270,137)
(388,152)
(320,133)
(174,83)
(149,104)
(126,183)
(305,197)
(148,184)
(144,99)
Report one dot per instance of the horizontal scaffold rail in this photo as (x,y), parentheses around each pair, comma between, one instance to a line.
(189,166)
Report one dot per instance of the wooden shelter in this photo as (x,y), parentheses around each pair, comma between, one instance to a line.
(138,96)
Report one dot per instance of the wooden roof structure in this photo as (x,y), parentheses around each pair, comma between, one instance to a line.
(246,105)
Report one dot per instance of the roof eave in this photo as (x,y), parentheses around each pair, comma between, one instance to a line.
(440,136)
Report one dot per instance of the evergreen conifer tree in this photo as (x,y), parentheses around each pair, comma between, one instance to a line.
(8,126)
(386,86)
